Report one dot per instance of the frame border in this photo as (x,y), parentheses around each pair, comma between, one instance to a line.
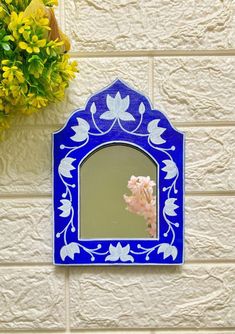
(97,125)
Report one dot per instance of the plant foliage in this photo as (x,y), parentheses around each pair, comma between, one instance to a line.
(34,67)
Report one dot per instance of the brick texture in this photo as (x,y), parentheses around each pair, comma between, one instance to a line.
(155,297)
(140,25)
(31,299)
(181,54)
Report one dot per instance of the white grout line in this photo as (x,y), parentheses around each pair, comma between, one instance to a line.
(153,53)
(205,330)
(192,330)
(48,196)
(65,269)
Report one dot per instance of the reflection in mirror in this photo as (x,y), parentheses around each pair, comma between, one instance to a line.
(118,194)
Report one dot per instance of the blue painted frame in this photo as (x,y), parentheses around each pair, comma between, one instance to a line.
(118,114)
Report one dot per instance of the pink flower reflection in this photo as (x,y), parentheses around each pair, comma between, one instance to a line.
(142,201)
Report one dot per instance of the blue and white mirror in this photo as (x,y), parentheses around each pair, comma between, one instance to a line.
(118,183)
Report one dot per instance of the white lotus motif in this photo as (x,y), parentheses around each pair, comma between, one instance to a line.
(66,166)
(117,108)
(155,132)
(170,207)
(65,207)
(81,130)
(119,252)
(170,169)
(168,250)
(69,250)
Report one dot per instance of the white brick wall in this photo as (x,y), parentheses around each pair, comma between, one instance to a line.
(181,54)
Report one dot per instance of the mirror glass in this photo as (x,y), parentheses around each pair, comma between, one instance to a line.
(112,208)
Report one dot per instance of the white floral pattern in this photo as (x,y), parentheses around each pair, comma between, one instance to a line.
(170,169)
(81,130)
(119,253)
(66,166)
(170,207)
(117,108)
(167,250)
(65,207)
(155,132)
(69,250)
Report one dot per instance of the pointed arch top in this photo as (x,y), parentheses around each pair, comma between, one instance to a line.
(118,114)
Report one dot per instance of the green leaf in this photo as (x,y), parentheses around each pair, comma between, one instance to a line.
(6,46)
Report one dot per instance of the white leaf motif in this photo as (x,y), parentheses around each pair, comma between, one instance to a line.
(81,130)
(168,250)
(170,207)
(69,250)
(126,116)
(155,132)
(141,108)
(109,115)
(119,252)
(65,207)
(65,167)
(93,108)
(170,169)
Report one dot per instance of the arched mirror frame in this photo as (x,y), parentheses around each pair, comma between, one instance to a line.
(118,115)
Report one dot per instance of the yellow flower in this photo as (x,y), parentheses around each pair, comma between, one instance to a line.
(37,101)
(18,24)
(36,66)
(11,73)
(53,46)
(33,45)
(34,70)
(41,20)
(58,91)
(5,62)
(51,2)
(67,69)
(1,105)
(17,91)
(2,12)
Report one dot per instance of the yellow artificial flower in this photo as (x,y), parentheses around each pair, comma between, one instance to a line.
(35,71)
(37,11)
(37,101)
(2,12)
(52,47)
(67,68)
(36,66)
(33,45)
(58,91)
(11,73)
(51,2)
(5,62)
(18,24)
(1,105)
(17,91)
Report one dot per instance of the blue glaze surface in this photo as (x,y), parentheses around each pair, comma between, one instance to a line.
(118,114)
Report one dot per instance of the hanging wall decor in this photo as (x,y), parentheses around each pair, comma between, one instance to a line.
(118,184)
